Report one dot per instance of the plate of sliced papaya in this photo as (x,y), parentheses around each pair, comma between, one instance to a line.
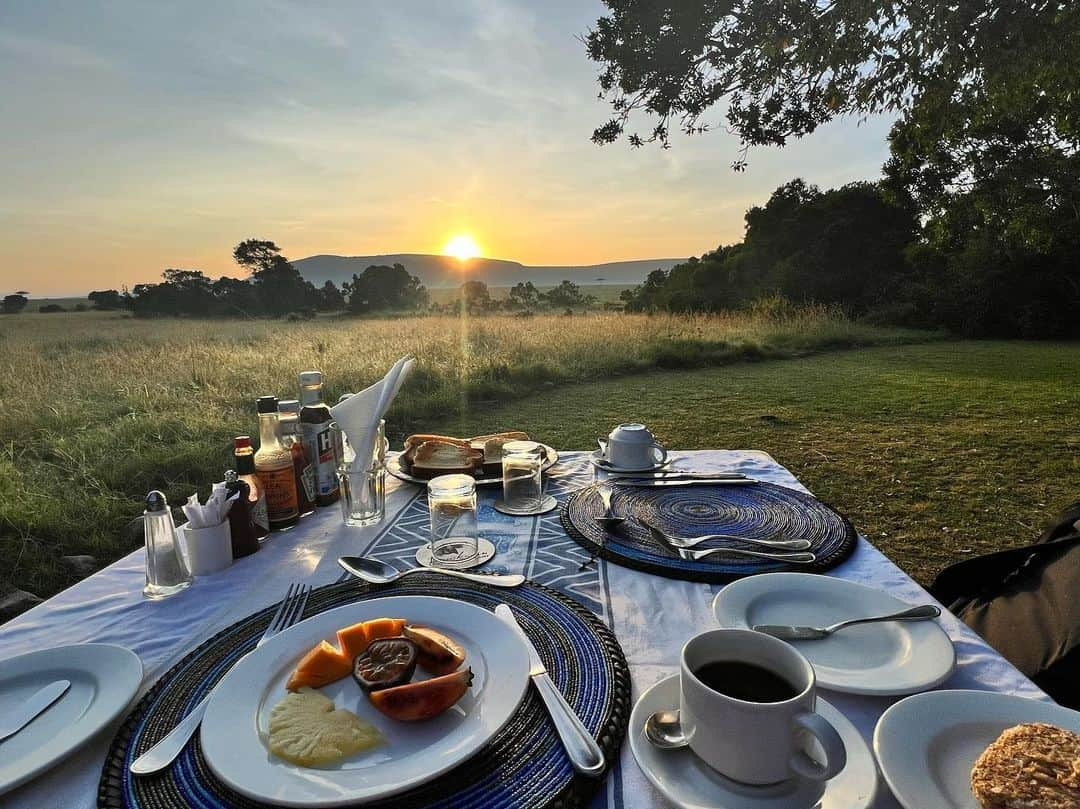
(364,701)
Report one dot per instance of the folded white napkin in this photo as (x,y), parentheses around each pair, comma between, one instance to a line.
(359,415)
(213,512)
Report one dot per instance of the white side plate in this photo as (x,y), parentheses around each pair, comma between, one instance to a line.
(689,783)
(237,718)
(104,678)
(927,744)
(875,659)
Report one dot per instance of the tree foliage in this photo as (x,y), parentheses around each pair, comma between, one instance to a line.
(13,304)
(381,287)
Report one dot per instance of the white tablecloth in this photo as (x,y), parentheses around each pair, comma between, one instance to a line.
(651,616)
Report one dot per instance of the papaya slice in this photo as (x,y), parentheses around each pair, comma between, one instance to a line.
(439,654)
(353,640)
(384,628)
(321,666)
(427,699)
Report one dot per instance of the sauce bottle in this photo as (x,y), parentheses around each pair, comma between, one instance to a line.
(289,419)
(315,420)
(245,471)
(241,526)
(274,465)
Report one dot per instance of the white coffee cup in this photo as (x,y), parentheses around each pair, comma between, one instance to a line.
(755,742)
(208,549)
(632,446)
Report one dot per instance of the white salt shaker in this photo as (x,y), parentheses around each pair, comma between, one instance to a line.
(167,571)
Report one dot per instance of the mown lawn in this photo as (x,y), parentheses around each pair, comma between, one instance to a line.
(934,451)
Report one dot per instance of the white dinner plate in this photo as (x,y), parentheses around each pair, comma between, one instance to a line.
(897,657)
(395,468)
(237,718)
(104,678)
(689,783)
(927,744)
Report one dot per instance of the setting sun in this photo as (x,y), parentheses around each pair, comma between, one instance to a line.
(462,247)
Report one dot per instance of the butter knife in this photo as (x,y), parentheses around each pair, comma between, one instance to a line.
(581,748)
(817,633)
(646,483)
(23,715)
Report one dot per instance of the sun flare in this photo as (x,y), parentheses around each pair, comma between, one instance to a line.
(462,247)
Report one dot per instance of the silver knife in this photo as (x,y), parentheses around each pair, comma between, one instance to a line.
(664,474)
(649,484)
(22,716)
(581,748)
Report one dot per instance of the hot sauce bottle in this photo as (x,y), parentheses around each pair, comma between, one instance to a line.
(315,420)
(241,525)
(274,464)
(245,471)
(289,419)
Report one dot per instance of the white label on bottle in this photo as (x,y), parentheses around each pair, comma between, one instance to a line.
(307,478)
(260,515)
(319,445)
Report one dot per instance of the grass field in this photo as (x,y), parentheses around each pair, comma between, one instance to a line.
(934,451)
(99,408)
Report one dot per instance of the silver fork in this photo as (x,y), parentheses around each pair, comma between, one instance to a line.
(684,542)
(162,754)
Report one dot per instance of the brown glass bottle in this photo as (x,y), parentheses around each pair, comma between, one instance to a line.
(315,420)
(241,526)
(245,470)
(274,464)
(289,420)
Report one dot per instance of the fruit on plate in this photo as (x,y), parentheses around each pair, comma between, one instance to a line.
(386,663)
(384,628)
(438,654)
(321,666)
(422,700)
(306,729)
(353,640)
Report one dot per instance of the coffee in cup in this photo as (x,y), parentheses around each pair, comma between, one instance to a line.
(747,708)
(632,446)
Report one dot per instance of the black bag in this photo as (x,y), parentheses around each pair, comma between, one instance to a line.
(1025,602)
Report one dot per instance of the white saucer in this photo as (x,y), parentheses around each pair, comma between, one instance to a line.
(600,463)
(689,783)
(927,744)
(549,503)
(875,659)
(485,552)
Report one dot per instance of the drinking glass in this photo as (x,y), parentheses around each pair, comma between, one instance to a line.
(523,481)
(363,491)
(455,534)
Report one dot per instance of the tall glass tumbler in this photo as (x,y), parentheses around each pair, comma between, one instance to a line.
(455,533)
(363,489)
(523,481)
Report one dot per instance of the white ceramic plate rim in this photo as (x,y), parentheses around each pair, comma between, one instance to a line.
(847,730)
(121,672)
(243,688)
(936,662)
(393,466)
(905,731)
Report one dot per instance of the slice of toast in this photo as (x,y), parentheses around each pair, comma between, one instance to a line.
(437,457)
(492,447)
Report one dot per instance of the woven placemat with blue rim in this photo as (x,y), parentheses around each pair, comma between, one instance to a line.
(524,765)
(759,511)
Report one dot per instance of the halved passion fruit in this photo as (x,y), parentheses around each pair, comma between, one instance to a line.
(387,662)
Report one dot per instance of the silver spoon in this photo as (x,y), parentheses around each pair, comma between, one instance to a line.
(663,730)
(377,571)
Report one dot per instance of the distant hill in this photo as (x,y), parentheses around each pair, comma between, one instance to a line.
(445,271)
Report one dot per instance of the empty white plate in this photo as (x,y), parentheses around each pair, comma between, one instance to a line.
(927,744)
(237,718)
(103,679)
(896,657)
(689,783)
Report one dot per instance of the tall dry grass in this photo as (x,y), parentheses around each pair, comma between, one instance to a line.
(96,408)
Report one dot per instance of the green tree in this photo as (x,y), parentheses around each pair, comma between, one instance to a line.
(525,295)
(280,286)
(381,287)
(330,298)
(13,304)
(107,299)
(475,297)
(567,295)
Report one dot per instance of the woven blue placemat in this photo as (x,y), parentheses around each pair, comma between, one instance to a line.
(759,511)
(523,766)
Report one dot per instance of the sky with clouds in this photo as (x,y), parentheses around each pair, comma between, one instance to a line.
(138,136)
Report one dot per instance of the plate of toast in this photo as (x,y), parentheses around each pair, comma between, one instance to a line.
(427,456)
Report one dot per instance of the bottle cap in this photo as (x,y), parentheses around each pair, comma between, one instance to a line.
(288,406)
(231,476)
(156,502)
(267,404)
(242,442)
(309,378)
